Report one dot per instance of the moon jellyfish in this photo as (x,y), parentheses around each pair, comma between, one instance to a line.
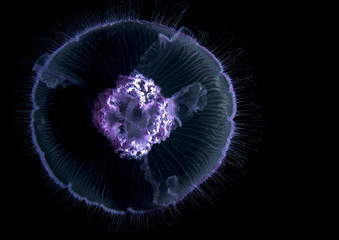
(132,115)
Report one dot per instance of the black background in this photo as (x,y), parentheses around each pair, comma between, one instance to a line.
(265,203)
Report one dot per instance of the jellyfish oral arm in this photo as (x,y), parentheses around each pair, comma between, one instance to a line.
(188,101)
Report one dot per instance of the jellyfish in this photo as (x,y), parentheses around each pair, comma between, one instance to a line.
(131,116)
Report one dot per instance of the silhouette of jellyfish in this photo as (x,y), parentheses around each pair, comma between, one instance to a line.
(131,116)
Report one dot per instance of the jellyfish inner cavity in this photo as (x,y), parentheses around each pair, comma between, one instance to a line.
(134,115)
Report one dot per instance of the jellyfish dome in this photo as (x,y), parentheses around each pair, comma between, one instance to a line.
(131,116)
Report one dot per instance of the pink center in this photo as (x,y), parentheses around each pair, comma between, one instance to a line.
(133,115)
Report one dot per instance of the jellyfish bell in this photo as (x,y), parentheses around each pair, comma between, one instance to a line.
(132,116)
